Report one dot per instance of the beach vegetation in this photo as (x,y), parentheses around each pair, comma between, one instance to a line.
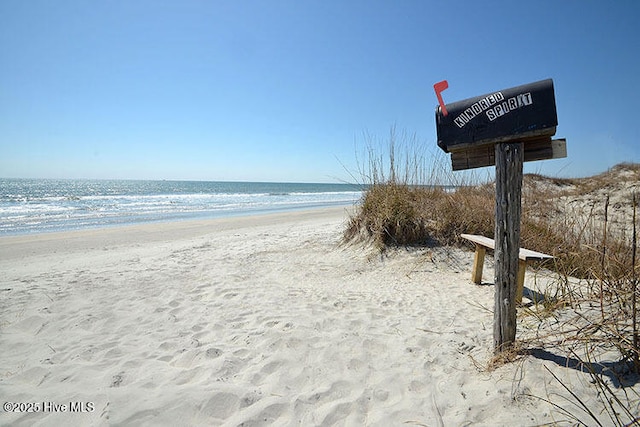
(411,197)
(588,224)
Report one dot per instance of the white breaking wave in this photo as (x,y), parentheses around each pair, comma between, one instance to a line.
(28,206)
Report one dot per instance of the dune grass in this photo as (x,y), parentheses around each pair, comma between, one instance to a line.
(410,199)
(566,218)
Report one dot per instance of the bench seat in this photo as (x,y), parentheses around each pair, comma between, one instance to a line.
(525,257)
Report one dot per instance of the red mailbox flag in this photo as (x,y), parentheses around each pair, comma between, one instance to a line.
(439,87)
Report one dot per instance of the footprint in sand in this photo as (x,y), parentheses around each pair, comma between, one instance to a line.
(221,405)
(267,416)
(250,398)
(213,353)
(117,380)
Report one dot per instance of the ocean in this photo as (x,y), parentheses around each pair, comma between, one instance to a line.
(43,205)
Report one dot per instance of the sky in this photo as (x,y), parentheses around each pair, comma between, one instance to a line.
(294,91)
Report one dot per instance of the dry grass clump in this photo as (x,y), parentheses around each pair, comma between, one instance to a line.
(410,199)
(388,215)
(468,209)
(394,214)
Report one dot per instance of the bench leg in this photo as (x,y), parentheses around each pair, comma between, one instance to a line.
(478,263)
(522,268)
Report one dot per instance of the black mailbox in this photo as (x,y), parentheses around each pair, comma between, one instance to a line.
(521,113)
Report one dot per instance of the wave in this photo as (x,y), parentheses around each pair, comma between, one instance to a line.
(27,213)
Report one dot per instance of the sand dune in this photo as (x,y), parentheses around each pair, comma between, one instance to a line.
(263,320)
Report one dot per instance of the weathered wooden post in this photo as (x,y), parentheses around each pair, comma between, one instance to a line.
(505,129)
(509,158)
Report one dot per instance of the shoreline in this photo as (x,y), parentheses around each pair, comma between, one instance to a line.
(17,246)
(186,218)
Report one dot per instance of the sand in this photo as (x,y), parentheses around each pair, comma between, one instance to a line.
(265,320)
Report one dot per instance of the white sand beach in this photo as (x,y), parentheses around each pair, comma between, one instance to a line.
(264,320)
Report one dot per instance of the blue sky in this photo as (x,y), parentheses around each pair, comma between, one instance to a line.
(286,90)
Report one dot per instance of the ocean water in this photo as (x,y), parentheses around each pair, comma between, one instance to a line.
(37,205)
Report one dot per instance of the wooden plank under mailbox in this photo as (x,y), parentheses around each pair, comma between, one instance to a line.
(484,155)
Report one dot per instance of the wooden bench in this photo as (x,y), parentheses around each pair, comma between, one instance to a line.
(525,256)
